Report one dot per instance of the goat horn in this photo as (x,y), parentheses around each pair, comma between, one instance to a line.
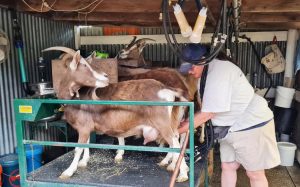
(132,42)
(144,39)
(64,49)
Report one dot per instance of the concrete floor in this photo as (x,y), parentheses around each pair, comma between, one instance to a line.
(277,177)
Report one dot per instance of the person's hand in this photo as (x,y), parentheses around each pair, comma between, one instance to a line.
(184,126)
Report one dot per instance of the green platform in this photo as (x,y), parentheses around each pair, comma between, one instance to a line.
(35,109)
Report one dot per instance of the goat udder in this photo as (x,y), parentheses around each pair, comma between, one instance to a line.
(150,134)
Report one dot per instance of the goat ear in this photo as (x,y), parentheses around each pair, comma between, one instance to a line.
(90,58)
(141,46)
(75,61)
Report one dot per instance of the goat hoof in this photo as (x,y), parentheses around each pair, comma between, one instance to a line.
(162,164)
(118,160)
(182,178)
(82,164)
(64,176)
(186,168)
(171,167)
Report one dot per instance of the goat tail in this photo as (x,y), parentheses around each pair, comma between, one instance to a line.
(170,94)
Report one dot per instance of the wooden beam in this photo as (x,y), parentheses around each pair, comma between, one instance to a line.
(133,6)
(261,6)
(8,3)
(278,6)
(120,17)
(262,17)
(283,26)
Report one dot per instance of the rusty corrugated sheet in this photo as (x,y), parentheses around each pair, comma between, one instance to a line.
(38,33)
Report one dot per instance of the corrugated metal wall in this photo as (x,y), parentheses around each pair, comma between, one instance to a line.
(248,62)
(38,33)
(161,55)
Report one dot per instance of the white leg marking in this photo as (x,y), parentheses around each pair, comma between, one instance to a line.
(120,153)
(73,167)
(166,160)
(183,170)
(86,156)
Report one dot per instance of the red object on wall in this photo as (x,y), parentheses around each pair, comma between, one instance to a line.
(109,31)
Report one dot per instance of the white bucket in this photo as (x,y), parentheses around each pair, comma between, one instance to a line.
(284,96)
(287,153)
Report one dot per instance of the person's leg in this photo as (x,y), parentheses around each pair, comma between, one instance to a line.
(257,178)
(229,176)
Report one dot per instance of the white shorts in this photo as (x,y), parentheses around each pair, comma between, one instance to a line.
(254,149)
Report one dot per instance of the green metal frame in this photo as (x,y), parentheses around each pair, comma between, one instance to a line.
(35,110)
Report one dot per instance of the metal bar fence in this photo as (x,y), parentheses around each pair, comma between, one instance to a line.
(32,108)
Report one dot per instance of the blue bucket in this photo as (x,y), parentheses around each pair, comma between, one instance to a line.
(10,166)
(33,156)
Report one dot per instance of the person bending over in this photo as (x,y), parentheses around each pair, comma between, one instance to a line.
(231,104)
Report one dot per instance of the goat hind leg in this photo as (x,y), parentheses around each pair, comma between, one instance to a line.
(86,156)
(183,172)
(120,152)
(83,138)
(166,160)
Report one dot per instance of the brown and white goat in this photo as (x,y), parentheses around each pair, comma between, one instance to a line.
(151,122)
(167,76)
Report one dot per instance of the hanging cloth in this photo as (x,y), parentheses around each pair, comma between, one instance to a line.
(274,60)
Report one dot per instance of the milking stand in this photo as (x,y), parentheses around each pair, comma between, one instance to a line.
(143,171)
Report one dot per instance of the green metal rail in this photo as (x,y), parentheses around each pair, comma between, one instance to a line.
(35,109)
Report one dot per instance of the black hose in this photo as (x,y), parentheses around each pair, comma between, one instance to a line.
(172,32)
(258,59)
(198,4)
(26,88)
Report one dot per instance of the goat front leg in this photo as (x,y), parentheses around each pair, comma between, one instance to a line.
(83,138)
(183,172)
(120,152)
(173,141)
(166,160)
(86,156)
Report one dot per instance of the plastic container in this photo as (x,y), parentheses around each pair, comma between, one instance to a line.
(33,156)
(199,26)
(10,166)
(185,28)
(287,153)
(284,96)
